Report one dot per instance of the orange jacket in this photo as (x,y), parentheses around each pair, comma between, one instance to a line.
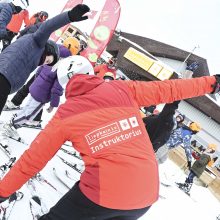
(17,21)
(120,167)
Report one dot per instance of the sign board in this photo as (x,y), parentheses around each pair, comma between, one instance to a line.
(148,63)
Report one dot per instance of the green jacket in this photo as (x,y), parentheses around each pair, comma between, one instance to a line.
(200,165)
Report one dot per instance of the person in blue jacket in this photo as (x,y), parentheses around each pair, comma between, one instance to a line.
(183,135)
(6,12)
(20,58)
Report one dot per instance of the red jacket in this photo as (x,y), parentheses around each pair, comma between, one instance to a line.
(121,171)
(17,21)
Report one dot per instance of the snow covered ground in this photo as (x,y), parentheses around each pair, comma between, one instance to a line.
(173,203)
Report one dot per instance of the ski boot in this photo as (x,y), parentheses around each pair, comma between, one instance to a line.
(9,106)
(32,124)
(11,131)
(185,187)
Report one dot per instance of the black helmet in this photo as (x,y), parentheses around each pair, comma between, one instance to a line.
(43,15)
(52,48)
(181,117)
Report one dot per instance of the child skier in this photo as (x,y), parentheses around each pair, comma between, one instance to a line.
(45,88)
(198,168)
(120,180)
(6,12)
(14,26)
(20,58)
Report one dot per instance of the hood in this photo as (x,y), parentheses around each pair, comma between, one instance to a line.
(81,84)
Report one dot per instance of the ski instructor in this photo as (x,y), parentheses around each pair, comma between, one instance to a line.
(19,59)
(120,180)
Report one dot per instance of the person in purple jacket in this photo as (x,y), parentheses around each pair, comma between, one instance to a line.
(20,58)
(45,88)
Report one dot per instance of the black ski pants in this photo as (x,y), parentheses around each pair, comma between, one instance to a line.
(22,94)
(7,41)
(5,89)
(74,205)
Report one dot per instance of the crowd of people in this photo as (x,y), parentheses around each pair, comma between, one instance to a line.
(132,145)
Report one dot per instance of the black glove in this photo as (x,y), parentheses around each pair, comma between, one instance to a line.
(76,14)
(216,86)
(189,164)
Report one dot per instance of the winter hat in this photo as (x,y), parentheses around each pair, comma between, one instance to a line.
(52,48)
(212,146)
(195,126)
(64,52)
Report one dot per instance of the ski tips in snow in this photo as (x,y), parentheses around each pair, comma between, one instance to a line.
(7,206)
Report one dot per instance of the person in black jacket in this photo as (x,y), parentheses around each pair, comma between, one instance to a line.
(159,127)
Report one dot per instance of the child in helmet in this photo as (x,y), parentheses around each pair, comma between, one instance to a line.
(198,168)
(45,88)
(20,58)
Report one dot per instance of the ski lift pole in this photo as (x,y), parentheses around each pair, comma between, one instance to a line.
(187,58)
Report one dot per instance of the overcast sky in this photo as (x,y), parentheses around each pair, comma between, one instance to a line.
(180,23)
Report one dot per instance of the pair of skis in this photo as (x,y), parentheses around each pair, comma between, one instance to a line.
(37,206)
(7,206)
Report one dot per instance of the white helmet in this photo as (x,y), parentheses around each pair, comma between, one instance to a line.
(71,66)
(21,3)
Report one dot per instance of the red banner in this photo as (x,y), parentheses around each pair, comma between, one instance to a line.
(102,31)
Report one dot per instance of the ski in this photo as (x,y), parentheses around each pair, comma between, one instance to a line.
(37,207)
(61,178)
(70,176)
(7,206)
(5,167)
(11,109)
(181,187)
(71,153)
(164,184)
(31,126)
(162,197)
(6,150)
(20,140)
(74,166)
(41,179)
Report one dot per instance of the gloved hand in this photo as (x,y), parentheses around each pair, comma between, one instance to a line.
(189,164)
(216,86)
(76,14)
